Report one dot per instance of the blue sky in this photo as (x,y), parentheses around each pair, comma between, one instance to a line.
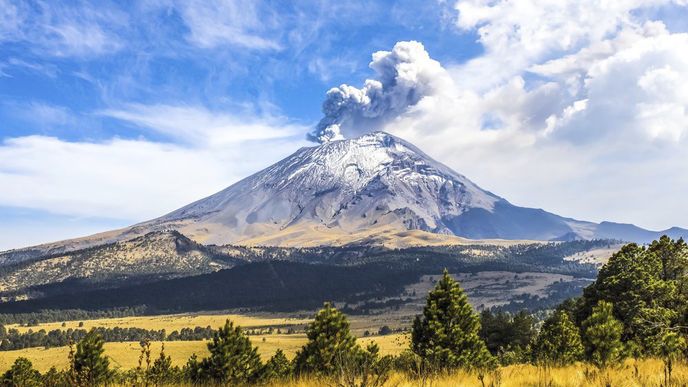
(117,112)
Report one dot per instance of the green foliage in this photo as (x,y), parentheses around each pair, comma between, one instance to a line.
(21,374)
(90,365)
(364,368)
(54,378)
(13,339)
(559,341)
(162,372)
(602,336)
(648,289)
(446,335)
(278,367)
(507,336)
(329,339)
(233,359)
(193,371)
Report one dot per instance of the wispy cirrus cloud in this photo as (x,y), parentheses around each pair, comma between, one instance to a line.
(243,23)
(200,127)
(62,30)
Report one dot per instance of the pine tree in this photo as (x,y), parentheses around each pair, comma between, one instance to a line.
(90,365)
(193,371)
(54,378)
(233,359)
(329,340)
(277,368)
(671,346)
(559,342)
(161,371)
(447,334)
(645,290)
(21,374)
(602,336)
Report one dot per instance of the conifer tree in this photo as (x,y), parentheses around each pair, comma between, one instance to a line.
(193,371)
(277,367)
(161,371)
(233,359)
(446,336)
(329,340)
(91,366)
(54,378)
(559,342)
(671,346)
(602,336)
(21,374)
(646,287)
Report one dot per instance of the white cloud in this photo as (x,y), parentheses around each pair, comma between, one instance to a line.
(138,179)
(580,113)
(62,31)
(519,34)
(197,126)
(241,23)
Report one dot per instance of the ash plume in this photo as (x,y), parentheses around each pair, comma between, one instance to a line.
(404,76)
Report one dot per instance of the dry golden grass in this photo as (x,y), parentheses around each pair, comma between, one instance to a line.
(171,322)
(649,374)
(125,355)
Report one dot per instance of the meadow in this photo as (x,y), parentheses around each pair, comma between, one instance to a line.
(644,373)
(125,355)
(171,322)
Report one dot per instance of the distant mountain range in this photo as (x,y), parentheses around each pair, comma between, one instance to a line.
(375,189)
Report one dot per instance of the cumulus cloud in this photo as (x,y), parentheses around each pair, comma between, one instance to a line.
(404,76)
(569,114)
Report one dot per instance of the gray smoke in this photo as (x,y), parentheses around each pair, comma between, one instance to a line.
(404,76)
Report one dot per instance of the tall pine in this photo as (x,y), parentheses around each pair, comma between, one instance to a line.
(446,336)
(233,359)
(602,336)
(91,366)
(329,341)
(559,342)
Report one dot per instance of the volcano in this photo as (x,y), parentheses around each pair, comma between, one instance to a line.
(373,189)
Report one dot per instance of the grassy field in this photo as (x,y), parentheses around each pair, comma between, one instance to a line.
(125,355)
(172,322)
(649,374)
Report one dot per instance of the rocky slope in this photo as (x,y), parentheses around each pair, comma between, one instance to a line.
(157,255)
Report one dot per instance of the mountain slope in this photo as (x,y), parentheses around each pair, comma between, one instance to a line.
(157,255)
(347,187)
(336,192)
(375,189)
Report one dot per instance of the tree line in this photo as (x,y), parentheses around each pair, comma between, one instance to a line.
(11,339)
